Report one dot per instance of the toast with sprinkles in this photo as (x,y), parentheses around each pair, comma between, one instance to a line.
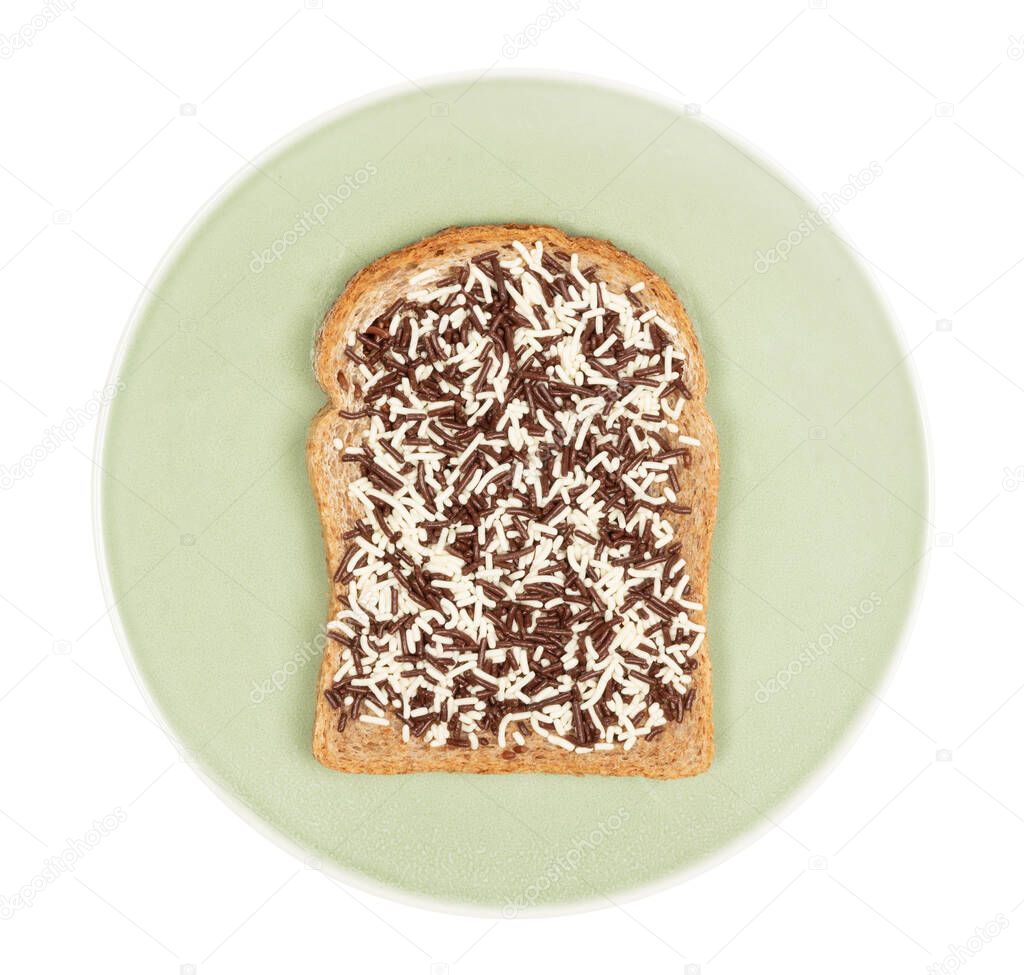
(517,479)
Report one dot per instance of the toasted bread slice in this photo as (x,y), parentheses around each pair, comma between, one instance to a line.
(684,747)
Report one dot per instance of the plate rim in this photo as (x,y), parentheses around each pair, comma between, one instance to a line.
(864,712)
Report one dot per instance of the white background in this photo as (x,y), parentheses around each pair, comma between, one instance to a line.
(910,844)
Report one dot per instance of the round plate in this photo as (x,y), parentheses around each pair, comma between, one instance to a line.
(212,542)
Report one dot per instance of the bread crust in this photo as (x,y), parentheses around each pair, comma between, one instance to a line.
(684,748)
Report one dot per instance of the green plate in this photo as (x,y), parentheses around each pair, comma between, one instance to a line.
(211,541)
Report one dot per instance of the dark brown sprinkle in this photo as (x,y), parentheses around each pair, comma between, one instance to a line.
(334,697)
(389,312)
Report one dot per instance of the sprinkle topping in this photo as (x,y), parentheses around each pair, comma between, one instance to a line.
(520,461)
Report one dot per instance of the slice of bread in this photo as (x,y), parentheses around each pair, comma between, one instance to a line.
(682,747)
